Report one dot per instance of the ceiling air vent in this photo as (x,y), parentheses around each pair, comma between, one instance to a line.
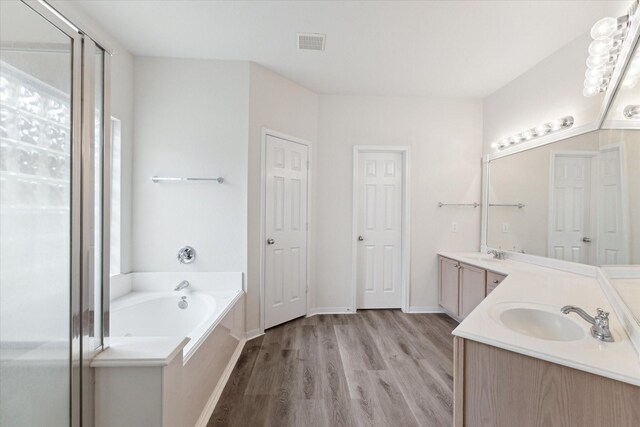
(311,41)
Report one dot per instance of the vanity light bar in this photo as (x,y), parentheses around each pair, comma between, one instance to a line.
(631,112)
(536,132)
(608,34)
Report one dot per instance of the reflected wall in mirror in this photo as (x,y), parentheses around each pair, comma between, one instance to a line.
(581,199)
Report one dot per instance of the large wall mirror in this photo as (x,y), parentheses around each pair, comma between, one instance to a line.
(575,200)
(578,199)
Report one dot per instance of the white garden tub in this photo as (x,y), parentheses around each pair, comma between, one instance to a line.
(147,306)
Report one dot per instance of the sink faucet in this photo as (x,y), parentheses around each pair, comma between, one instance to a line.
(497,254)
(181,285)
(600,329)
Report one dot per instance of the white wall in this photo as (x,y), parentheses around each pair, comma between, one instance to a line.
(191,120)
(548,91)
(445,136)
(281,105)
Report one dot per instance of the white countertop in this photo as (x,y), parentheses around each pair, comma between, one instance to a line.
(550,288)
(629,290)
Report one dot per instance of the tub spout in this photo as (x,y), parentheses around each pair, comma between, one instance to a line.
(181,285)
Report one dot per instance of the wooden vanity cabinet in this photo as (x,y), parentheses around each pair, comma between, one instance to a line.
(497,387)
(461,287)
(493,280)
(473,285)
(449,279)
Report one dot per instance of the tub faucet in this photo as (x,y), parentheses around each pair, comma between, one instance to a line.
(600,329)
(181,285)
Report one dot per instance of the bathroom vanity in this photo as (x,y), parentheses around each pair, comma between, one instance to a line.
(462,286)
(517,357)
(558,341)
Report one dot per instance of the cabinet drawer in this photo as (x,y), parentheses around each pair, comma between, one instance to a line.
(493,280)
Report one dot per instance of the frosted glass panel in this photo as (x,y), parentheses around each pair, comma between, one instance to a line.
(35,186)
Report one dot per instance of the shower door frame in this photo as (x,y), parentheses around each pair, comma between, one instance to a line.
(81,409)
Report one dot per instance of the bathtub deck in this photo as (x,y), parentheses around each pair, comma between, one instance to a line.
(376,367)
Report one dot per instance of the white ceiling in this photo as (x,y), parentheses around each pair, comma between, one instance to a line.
(431,48)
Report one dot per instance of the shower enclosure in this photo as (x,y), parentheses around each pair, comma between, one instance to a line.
(54,191)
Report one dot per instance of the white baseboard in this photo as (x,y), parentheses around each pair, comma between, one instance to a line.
(426,309)
(254,333)
(329,310)
(203,420)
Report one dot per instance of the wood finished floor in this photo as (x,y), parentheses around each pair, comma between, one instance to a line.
(373,368)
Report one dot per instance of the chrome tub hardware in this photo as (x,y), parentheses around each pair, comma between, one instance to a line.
(497,254)
(600,323)
(183,303)
(181,285)
(186,255)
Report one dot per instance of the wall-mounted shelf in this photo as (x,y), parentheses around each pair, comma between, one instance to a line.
(157,179)
(474,205)
(513,205)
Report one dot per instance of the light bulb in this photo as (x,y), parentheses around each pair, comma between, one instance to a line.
(567,122)
(556,124)
(634,69)
(595,72)
(515,139)
(590,91)
(629,82)
(593,81)
(599,61)
(542,129)
(631,112)
(601,47)
(494,145)
(604,28)
(528,134)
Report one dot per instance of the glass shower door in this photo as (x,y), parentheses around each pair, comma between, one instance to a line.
(36,209)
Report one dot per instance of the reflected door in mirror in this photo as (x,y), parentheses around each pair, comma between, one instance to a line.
(571,206)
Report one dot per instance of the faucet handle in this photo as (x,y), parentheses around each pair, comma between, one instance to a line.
(602,314)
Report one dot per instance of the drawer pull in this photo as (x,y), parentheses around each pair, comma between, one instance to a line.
(496,281)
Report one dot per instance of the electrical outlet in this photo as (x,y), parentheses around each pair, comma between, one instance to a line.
(505,227)
(454,227)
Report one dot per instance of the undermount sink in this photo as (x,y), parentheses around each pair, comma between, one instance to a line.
(540,323)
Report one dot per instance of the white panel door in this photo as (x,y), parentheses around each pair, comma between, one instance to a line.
(379,219)
(569,213)
(612,236)
(285,270)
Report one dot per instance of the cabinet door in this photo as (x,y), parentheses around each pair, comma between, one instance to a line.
(449,285)
(493,280)
(472,288)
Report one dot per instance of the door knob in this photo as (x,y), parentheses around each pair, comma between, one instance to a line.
(586,239)
(360,238)
(270,241)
